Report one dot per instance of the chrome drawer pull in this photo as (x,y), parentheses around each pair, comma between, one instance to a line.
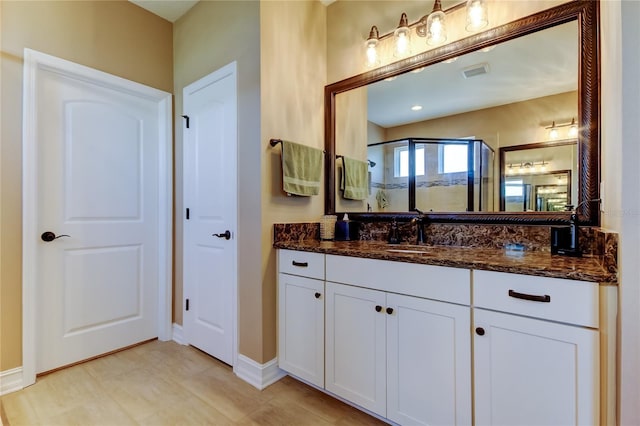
(532,297)
(301,264)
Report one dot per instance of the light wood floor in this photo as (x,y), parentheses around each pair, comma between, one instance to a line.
(163,383)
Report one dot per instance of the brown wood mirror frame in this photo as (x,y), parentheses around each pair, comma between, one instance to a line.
(586,12)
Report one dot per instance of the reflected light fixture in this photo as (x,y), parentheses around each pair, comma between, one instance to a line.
(553,132)
(402,36)
(371,44)
(573,128)
(476,15)
(554,129)
(436,26)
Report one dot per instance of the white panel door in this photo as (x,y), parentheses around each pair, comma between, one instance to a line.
(210,194)
(428,362)
(534,372)
(301,327)
(356,346)
(98,192)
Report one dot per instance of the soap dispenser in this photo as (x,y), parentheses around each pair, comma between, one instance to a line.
(343,231)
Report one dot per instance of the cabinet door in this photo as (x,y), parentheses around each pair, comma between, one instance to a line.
(428,362)
(301,327)
(534,372)
(355,345)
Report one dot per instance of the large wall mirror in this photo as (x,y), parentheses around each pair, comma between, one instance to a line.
(514,105)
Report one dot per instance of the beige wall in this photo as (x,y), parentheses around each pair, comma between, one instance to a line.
(113,36)
(512,124)
(293,51)
(213,34)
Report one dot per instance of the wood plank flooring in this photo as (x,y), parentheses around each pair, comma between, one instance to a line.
(163,383)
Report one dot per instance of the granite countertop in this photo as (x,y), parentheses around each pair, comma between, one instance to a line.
(539,263)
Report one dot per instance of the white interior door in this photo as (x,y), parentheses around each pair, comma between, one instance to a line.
(210,195)
(99,224)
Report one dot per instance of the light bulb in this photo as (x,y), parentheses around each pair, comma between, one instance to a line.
(371,45)
(476,15)
(553,133)
(573,129)
(436,28)
(402,35)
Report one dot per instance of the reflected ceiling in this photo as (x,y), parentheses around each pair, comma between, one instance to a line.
(541,64)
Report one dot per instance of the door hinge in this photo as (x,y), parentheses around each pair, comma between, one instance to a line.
(187,213)
(187,305)
(186,117)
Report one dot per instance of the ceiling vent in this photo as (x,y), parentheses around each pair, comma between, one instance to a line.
(475,70)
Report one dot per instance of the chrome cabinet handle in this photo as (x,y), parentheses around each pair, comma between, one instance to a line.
(226,235)
(49,236)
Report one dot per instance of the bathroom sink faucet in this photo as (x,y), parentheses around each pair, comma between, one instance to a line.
(419,222)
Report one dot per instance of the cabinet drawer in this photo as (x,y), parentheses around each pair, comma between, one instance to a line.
(301,263)
(568,301)
(427,281)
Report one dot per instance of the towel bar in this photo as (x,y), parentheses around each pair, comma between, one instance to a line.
(371,163)
(274,142)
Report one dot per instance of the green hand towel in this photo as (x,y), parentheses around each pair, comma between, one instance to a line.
(355,179)
(301,169)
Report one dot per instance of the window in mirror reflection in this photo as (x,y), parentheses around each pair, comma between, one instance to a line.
(401,161)
(453,158)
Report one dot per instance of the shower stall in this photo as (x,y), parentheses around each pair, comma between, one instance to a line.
(432,175)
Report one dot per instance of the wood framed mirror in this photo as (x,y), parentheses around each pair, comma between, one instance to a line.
(584,15)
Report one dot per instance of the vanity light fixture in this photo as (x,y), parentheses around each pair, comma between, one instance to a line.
(432,27)
(402,36)
(527,167)
(371,44)
(554,132)
(476,15)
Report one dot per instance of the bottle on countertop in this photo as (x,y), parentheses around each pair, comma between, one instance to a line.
(346,229)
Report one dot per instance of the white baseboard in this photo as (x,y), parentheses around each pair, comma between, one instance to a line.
(258,375)
(11,380)
(178,334)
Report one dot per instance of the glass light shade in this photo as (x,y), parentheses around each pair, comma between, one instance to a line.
(553,133)
(402,36)
(573,129)
(476,15)
(436,28)
(371,46)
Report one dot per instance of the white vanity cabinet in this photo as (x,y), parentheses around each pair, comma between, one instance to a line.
(393,346)
(414,343)
(301,315)
(536,361)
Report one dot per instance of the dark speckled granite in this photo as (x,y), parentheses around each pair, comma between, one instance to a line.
(474,246)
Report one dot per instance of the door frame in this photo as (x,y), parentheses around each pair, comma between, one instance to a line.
(229,69)
(34,62)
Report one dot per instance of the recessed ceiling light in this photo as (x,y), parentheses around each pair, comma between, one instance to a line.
(416,107)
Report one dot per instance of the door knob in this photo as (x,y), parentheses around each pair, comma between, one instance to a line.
(50,236)
(226,235)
